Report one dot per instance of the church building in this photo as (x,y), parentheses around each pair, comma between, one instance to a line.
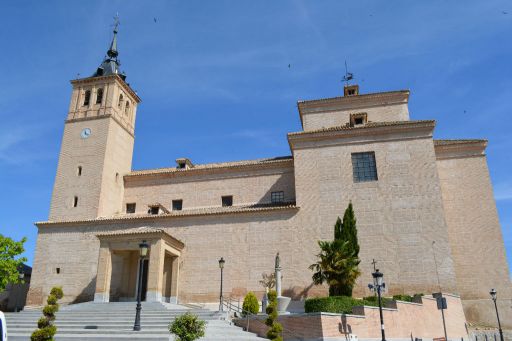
(425,207)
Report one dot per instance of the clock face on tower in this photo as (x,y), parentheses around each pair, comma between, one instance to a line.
(85,133)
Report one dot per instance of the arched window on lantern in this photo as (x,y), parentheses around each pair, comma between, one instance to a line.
(99,96)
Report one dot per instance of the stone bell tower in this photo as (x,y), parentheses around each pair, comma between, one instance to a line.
(97,145)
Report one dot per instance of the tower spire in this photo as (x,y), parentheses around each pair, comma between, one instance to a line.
(111,64)
(112,51)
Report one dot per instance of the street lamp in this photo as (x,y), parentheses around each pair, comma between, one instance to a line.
(143,248)
(494,297)
(378,285)
(21,276)
(221,267)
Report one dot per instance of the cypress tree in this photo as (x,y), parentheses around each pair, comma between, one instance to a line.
(337,229)
(349,229)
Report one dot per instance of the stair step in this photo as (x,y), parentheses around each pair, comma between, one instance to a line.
(114,321)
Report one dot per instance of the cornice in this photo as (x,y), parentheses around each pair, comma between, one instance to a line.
(214,211)
(120,81)
(91,118)
(456,149)
(370,129)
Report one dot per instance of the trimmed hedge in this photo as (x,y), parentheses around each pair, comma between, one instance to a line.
(340,304)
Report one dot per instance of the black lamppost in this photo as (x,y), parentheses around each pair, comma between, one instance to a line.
(21,276)
(494,297)
(143,253)
(378,285)
(221,266)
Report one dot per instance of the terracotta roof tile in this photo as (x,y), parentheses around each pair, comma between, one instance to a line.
(365,126)
(183,213)
(219,165)
(348,98)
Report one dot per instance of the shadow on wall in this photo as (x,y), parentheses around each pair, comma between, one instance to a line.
(87,293)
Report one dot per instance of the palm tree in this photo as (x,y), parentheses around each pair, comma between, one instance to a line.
(337,266)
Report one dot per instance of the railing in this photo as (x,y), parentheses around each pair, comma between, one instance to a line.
(228,303)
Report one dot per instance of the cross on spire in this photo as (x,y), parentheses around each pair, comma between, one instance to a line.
(374,262)
(112,51)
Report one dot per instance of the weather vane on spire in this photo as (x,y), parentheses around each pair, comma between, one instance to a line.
(348,75)
(116,22)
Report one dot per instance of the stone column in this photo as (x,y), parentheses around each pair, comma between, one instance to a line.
(156,271)
(103,276)
(174,279)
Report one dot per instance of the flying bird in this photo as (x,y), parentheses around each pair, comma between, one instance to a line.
(289,66)
(504,12)
(154,19)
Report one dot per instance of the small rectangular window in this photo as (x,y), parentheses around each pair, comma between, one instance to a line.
(276,197)
(75,201)
(177,205)
(227,200)
(154,210)
(79,171)
(57,271)
(364,167)
(130,208)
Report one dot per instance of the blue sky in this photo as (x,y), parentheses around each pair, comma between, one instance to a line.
(216,86)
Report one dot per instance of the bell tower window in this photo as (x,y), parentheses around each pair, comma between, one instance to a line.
(120,102)
(99,96)
(127,108)
(87,97)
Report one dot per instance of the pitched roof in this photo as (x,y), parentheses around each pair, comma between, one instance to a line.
(177,214)
(219,165)
(365,126)
(356,97)
(135,230)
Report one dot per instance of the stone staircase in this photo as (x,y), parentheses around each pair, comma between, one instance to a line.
(114,321)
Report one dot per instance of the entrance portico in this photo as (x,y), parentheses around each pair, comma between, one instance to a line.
(118,266)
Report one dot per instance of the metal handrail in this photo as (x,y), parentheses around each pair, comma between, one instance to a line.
(248,314)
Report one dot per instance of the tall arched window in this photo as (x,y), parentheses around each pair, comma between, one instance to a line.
(87,97)
(99,96)
(75,201)
(127,108)
(120,102)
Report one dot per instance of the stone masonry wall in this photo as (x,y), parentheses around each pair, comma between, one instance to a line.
(398,216)
(475,237)
(205,190)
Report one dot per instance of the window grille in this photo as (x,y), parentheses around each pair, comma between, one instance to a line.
(364,167)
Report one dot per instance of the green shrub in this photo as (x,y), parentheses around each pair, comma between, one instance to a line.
(46,330)
(275,327)
(405,298)
(251,303)
(44,334)
(340,304)
(50,310)
(187,327)
(57,292)
(52,299)
(43,322)
(332,304)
